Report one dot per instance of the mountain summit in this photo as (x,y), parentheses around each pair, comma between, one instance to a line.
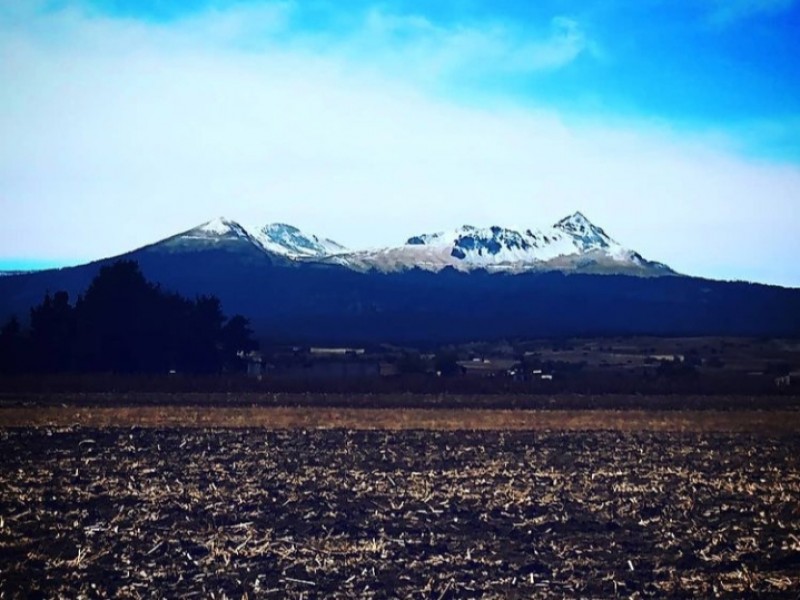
(573,244)
(583,232)
(433,288)
(289,241)
(219,233)
(215,230)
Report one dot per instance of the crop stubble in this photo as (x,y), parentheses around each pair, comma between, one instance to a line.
(769,421)
(373,514)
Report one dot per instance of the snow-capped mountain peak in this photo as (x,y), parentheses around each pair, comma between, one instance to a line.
(576,219)
(585,234)
(279,239)
(217,234)
(291,242)
(496,242)
(428,239)
(572,244)
(219,228)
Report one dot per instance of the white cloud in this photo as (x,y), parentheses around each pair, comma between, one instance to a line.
(417,45)
(726,12)
(118,133)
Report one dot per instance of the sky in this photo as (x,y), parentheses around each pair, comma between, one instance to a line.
(675,126)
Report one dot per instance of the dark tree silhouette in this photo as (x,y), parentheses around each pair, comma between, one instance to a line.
(123,323)
(237,337)
(446,362)
(53,332)
(411,362)
(119,322)
(14,347)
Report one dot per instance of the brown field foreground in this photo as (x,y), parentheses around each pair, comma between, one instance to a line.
(776,421)
(788,400)
(254,513)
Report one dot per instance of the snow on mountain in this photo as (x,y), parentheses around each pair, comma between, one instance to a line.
(289,241)
(583,232)
(274,239)
(220,234)
(216,230)
(572,244)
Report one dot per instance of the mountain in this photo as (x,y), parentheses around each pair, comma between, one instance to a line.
(573,244)
(218,234)
(218,230)
(467,284)
(217,242)
(289,241)
(277,240)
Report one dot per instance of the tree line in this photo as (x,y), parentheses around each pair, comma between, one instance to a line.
(125,324)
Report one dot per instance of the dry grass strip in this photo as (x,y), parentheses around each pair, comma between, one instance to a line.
(403,419)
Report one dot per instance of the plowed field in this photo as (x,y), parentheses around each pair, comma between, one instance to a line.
(247,513)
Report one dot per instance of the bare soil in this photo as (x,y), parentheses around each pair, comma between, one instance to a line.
(246,513)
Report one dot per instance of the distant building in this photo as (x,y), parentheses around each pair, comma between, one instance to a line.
(667,357)
(336,351)
(499,367)
(790,379)
(330,369)
(256,367)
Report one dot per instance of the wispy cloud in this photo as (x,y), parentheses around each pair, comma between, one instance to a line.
(116,132)
(726,12)
(416,42)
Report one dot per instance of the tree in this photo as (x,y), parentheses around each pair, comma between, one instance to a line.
(411,362)
(446,362)
(14,348)
(119,325)
(236,337)
(124,323)
(53,333)
(204,340)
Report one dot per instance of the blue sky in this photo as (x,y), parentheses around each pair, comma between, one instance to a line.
(675,126)
(702,64)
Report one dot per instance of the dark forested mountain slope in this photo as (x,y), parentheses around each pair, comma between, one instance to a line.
(295,301)
(315,303)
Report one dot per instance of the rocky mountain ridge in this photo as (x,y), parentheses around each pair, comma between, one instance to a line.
(573,244)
